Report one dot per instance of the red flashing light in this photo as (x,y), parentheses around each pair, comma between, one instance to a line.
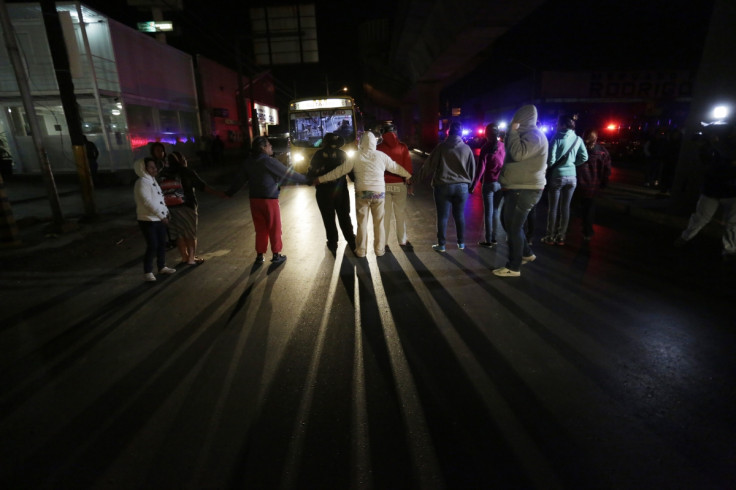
(481,131)
(612,127)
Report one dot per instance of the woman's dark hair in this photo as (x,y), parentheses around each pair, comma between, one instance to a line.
(175,159)
(567,120)
(259,143)
(456,129)
(158,143)
(492,131)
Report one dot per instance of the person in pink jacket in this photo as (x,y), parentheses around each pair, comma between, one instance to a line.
(396,187)
(370,190)
(490,162)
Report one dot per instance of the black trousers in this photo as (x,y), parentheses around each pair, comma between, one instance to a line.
(333,198)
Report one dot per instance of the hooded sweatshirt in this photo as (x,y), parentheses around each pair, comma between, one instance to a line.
(526,153)
(368,166)
(264,175)
(563,142)
(398,152)
(149,200)
(451,162)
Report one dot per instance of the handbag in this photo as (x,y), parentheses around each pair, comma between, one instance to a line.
(563,158)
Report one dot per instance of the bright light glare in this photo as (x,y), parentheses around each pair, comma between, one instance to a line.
(298,157)
(350,153)
(720,112)
(612,127)
(544,128)
(466,132)
(481,131)
(502,125)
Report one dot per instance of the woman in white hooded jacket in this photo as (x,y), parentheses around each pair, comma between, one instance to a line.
(368,166)
(153,216)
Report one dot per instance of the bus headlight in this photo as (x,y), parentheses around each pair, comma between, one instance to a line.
(350,153)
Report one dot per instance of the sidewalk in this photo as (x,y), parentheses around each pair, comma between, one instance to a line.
(32,210)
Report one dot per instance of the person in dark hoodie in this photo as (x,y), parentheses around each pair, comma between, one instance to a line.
(396,186)
(452,167)
(264,175)
(522,181)
(333,197)
(718,156)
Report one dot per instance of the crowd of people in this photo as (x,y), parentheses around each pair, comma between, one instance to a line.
(512,173)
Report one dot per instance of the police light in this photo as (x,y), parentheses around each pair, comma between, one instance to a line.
(612,127)
(466,132)
(502,125)
(481,131)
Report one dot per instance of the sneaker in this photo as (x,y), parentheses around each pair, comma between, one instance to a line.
(560,241)
(278,258)
(504,272)
(487,244)
(149,277)
(260,259)
(166,270)
(438,248)
(548,240)
(406,246)
(528,258)
(461,246)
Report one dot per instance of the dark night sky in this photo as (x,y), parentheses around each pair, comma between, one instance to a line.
(562,34)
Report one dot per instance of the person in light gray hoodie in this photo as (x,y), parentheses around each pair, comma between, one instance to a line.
(522,182)
(452,167)
(153,216)
(368,166)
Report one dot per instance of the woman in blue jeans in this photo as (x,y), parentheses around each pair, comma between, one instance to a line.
(566,152)
(522,179)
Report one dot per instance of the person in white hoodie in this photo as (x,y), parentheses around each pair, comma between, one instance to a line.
(153,216)
(368,167)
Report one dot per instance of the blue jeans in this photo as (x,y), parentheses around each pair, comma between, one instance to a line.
(559,195)
(491,201)
(516,206)
(154,233)
(450,197)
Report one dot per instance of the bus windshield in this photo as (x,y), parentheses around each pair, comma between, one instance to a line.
(309,127)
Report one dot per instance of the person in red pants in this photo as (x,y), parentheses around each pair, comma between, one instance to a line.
(265,175)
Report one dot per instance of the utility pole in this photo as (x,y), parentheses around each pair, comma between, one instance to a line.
(21,76)
(60,57)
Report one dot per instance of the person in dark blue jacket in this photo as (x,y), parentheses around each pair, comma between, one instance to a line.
(264,175)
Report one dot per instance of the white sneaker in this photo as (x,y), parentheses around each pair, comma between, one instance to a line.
(166,270)
(504,272)
(528,258)
(149,277)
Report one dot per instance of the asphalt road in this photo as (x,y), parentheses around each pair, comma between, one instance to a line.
(608,365)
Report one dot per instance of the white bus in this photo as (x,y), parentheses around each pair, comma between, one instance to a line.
(311,119)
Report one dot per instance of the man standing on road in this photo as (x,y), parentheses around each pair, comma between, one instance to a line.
(396,187)
(522,180)
(368,166)
(718,156)
(592,177)
(265,175)
(452,167)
